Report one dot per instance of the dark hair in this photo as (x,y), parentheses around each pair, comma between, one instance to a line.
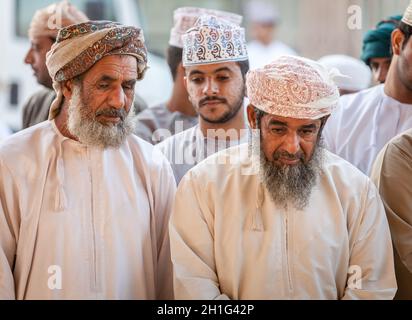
(174,58)
(259,115)
(407,32)
(244,67)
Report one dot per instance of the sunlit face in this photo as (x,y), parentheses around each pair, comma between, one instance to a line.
(289,141)
(101,101)
(216,90)
(36,57)
(379,67)
(290,156)
(110,85)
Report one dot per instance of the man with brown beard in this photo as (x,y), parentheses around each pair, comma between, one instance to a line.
(307,225)
(216,62)
(85,204)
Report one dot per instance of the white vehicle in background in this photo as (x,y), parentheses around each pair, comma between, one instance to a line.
(17,82)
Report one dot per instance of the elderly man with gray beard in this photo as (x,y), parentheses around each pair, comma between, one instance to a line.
(84,204)
(300,223)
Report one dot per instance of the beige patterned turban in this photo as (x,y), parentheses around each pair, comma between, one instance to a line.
(185,18)
(79,47)
(213,40)
(47,21)
(293,87)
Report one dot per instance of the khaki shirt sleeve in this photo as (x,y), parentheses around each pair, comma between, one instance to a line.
(392,173)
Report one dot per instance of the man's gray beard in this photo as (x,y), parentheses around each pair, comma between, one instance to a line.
(82,124)
(290,185)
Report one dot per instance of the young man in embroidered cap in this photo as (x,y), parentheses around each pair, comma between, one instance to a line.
(84,210)
(377,48)
(368,119)
(215,61)
(306,225)
(177,114)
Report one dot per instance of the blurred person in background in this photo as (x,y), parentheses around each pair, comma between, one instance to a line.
(264,21)
(367,120)
(376,50)
(356,75)
(43,32)
(178,112)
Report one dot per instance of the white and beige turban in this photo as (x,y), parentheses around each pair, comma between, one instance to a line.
(407,17)
(213,40)
(79,47)
(48,21)
(358,75)
(185,18)
(293,87)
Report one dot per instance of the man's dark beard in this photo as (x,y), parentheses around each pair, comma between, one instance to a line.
(291,184)
(229,115)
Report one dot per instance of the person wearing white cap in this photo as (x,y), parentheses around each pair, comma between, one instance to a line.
(370,118)
(264,20)
(177,113)
(357,75)
(215,61)
(43,31)
(305,225)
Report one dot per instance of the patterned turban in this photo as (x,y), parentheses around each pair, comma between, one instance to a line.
(213,40)
(79,47)
(377,42)
(47,21)
(293,87)
(186,17)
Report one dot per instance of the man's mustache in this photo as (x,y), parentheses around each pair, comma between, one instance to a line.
(288,156)
(212,99)
(112,112)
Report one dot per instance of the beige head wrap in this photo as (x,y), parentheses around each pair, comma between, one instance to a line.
(80,46)
(47,21)
(293,87)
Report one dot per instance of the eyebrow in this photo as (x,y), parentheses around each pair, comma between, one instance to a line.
(310,126)
(284,124)
(194,72)
(111,79)
(277,123)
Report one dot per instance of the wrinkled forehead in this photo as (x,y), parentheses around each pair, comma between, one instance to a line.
(294,123)
(114,67)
